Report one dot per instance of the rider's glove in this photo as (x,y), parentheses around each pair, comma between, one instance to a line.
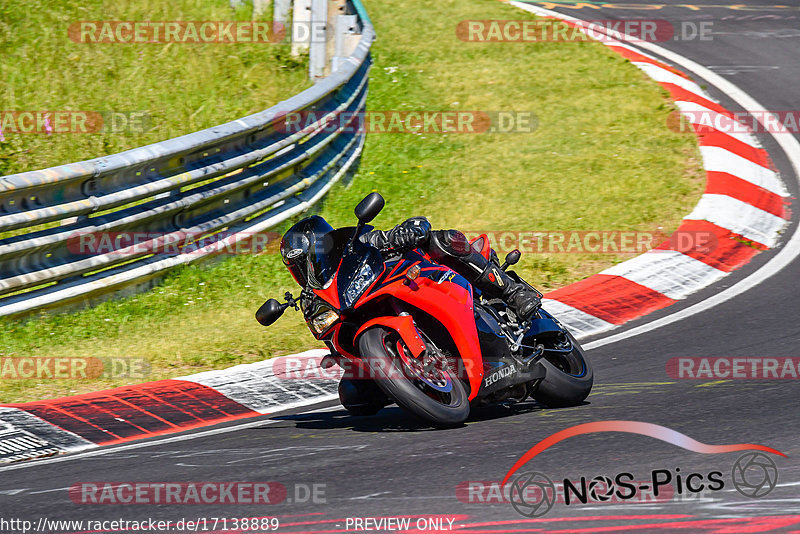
(401,238)
(409,234)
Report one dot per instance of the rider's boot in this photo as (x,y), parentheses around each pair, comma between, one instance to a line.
(494,282)
(361,396)
(451,248)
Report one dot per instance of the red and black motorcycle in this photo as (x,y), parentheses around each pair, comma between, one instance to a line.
(414,332)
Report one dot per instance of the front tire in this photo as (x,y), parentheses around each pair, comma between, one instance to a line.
(568,378)
(377,348)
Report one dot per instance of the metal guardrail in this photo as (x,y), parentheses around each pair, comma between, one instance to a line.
(241,177)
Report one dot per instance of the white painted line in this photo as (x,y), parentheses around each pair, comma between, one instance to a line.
(171,439)
(15,420)
(669,272)
(788,143)
(620,44)
(662,75)
(718,159)
(255,385)
(739,217)
(699,114)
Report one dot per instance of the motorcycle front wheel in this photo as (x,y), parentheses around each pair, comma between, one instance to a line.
(433,394)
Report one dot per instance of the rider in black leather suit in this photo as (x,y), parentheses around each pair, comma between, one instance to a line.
(447,247)
(451,248)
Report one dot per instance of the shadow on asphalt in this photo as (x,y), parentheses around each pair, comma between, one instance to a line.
(393,419)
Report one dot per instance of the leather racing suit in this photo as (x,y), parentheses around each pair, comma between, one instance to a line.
(451,248)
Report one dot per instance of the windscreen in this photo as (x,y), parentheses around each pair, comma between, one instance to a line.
(324,254)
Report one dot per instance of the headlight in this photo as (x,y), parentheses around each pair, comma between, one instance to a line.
(361,282)
(322,321)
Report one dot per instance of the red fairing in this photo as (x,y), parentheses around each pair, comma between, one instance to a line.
(331,294)
(403,325)
(452,305)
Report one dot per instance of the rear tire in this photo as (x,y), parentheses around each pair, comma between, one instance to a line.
(568,379)
(450,409)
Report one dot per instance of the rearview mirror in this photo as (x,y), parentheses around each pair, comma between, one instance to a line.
(511,259)
(269,312)
(369,208)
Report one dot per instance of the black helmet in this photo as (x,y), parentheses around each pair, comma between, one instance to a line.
(297,243)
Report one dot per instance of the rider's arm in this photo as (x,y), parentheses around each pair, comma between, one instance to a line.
(405,236)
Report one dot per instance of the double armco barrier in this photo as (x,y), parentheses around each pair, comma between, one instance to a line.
(241,177)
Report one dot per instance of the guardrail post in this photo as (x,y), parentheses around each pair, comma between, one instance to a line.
(318,36)
(260,7)
(281,11)
(335,8)
(241,177)
(301,26)
(344,42)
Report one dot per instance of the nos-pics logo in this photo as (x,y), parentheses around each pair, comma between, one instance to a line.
(533,494)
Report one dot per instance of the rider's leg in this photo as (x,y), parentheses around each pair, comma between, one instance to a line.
(451,248)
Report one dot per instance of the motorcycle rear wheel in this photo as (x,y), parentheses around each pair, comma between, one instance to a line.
(568,378)
(443,409)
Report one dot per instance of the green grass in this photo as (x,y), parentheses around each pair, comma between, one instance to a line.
(181,87)
(602,158)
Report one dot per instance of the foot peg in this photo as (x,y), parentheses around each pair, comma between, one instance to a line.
(534,357)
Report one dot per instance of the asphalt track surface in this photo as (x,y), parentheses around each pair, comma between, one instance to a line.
(390,465)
